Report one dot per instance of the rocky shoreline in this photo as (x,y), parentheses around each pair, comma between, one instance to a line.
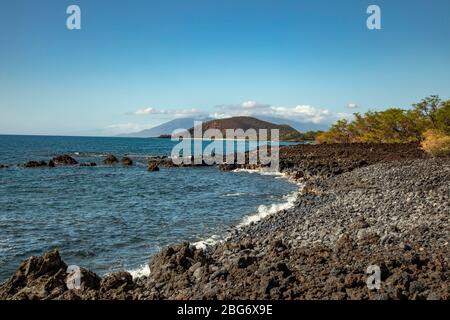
(362,205)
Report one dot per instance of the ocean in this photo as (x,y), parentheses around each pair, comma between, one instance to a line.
(112,218)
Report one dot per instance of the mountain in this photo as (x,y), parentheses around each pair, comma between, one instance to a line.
(166,128)
(186,123)
(299,126)
(245,123)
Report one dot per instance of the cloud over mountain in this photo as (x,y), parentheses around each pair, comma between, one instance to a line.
(174,113)
(300,113)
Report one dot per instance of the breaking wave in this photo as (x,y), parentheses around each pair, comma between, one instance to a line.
(263,210)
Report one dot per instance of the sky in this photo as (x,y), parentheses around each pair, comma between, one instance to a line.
(135,64)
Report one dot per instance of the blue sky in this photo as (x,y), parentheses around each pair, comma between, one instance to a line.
(135,64)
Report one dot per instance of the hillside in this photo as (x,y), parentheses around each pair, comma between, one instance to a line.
(245,123)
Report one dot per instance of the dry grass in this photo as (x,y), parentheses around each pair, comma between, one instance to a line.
(436,143)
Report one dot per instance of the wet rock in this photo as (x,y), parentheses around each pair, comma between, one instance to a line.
(110,160)
(35,164)
(153,166)
(126,161)
(227,167)
(88,164)
(64,160)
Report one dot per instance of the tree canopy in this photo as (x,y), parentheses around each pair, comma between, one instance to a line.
(393,125)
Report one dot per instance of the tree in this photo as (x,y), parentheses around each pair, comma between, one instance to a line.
(428,107)
(393,125)
(442,117)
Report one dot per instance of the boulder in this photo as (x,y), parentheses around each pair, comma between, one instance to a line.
(34,164)
(37,278)
(89,280)
(110,160)
(116,281)
(126,161)
(46,277)
(165,163)
(153,166)
(64,160)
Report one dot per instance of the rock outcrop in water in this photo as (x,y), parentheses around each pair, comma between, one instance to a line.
(110,160)
(388,208)
(64,160)
(126,161)
(34,164)
(46,277)
(88,164)
(152,166)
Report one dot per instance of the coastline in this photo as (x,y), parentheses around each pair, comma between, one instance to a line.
(263,211)
(302,252)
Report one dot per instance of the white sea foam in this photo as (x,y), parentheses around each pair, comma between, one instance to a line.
(263,171)
(237,194)
(265,211)
(202,244)
(139,272)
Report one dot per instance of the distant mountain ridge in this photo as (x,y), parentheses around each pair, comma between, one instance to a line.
(166,128)
(187,123)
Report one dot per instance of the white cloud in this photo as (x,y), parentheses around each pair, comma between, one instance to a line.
(188,112)
(174,113)
(300,113)
(352,106)
(146,111)
(249,104)
(254,105)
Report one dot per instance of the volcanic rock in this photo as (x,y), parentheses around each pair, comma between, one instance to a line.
(126,161)
(64,160)
(110,160)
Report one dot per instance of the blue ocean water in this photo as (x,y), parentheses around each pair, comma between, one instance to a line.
(110,218)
